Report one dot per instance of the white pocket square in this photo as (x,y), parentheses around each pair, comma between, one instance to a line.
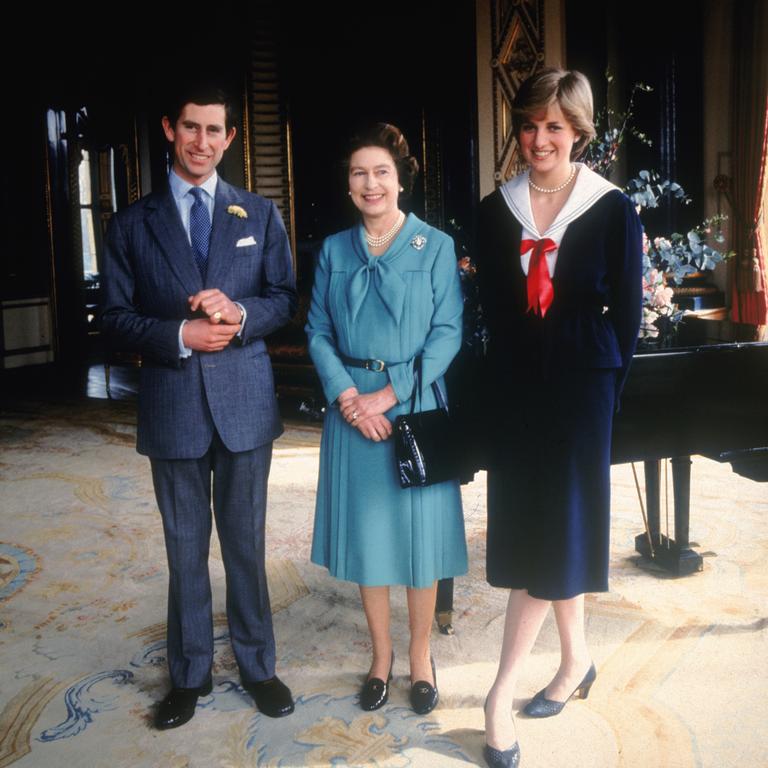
(243,241)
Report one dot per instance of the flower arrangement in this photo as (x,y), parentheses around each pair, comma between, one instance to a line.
(666,260)
(659,313)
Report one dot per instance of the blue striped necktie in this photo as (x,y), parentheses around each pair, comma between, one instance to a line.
(199,230)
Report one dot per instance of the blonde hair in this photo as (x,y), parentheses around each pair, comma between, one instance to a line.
(570,90)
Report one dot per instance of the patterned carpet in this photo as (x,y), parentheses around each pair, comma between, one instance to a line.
(682,673)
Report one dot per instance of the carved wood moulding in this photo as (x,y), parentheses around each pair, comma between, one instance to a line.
(517,30)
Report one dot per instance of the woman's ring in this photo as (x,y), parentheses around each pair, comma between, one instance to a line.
(354,415)
(217,316)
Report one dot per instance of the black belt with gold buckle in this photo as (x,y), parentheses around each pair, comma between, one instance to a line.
(370,365)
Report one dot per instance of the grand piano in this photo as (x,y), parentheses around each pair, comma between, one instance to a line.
(703,390)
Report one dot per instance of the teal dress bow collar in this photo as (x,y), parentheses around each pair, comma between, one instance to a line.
(379,271)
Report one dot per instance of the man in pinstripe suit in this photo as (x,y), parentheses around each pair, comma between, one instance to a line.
(195,276)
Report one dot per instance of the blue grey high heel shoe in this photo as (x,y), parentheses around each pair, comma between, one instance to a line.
(498,758)
(540,706)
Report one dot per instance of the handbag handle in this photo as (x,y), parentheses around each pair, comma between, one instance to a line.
(438,393)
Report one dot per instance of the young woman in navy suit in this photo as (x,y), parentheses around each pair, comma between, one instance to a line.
(559,265)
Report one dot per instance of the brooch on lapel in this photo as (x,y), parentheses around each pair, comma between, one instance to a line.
(236,210)
(418,242)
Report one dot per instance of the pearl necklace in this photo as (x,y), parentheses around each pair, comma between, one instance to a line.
(377,242)
(552,190)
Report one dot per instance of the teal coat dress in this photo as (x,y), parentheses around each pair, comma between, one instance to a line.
(391,307)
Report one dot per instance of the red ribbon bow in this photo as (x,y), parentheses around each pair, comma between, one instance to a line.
(540,290)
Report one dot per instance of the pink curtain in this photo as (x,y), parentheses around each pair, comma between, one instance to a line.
(750,144)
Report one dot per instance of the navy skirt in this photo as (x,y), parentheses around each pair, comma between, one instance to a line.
(549,488)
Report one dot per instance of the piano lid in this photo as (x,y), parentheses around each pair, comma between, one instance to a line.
(698,334)
(702,392)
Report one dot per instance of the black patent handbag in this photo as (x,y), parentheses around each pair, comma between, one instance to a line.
(426,444)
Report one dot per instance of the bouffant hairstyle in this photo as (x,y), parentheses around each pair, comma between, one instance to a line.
(570,90)
(389,137)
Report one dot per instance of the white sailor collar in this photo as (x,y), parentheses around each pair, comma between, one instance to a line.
(588,188)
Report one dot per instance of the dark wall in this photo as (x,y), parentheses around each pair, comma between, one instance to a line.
(397,64)
(659,44)
(24,243)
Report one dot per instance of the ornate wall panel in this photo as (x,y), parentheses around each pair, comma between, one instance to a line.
(517,32)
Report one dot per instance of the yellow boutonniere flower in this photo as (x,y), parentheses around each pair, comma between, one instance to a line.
(236,210)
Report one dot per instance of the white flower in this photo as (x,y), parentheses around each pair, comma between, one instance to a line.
(236,210)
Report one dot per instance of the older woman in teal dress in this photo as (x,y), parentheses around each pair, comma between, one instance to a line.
(385,292)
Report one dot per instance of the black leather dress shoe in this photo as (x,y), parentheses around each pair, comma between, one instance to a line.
(424,697)
(178,706)
(375,691)
(272,697)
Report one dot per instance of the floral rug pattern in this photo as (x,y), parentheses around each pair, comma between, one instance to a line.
(82,649)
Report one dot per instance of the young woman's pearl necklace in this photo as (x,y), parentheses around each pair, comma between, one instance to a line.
(377,242)
(552,190)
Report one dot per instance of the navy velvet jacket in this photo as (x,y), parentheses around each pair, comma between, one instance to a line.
(595,316)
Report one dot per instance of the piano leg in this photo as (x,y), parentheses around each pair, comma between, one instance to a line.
(681,484)
(675,554)
(653,499)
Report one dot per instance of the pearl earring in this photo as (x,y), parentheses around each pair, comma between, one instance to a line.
(350,193)
(401,189)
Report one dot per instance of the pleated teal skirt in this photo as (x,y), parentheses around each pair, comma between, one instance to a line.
(371,531)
